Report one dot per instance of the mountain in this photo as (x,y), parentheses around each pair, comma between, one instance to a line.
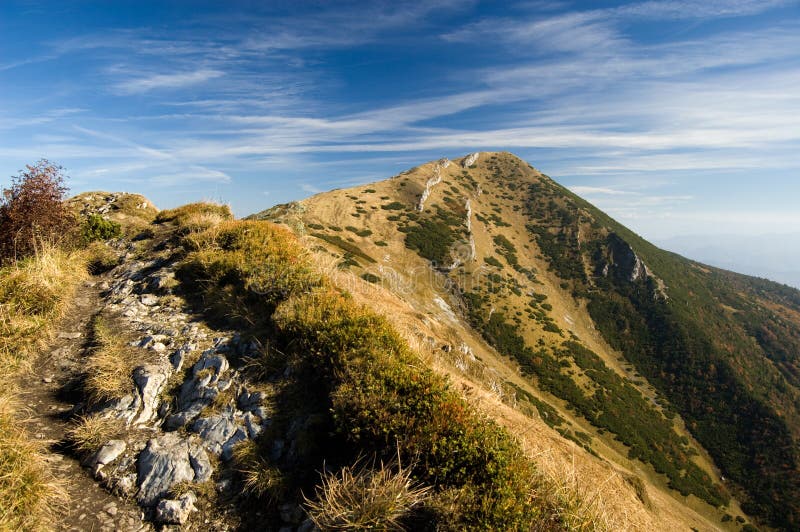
(683,377)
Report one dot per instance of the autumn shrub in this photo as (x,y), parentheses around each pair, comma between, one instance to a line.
(33,212)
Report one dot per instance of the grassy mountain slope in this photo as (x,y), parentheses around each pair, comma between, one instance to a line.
(665,372)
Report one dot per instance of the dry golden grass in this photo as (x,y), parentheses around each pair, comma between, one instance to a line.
(260,477)
(34,294)
(196,217)
(28,490)
(111,361)
(89,433)
(365,497)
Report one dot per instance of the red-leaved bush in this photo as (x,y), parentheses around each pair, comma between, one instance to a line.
(32,211)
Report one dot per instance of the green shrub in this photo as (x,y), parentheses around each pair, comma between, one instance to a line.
(382,401)
(95,227)
(370,278)
(344,245)
(492,261)
(359,232)
(431,239)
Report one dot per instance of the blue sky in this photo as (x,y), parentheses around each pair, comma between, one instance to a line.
(677,117)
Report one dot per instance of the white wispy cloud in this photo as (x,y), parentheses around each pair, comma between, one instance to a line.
(166,81)
(312,189)
(587,190)
(261,97)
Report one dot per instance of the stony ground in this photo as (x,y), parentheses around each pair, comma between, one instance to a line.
(48,392)
(186,409)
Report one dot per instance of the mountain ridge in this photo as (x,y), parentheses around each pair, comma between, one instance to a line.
(601,269)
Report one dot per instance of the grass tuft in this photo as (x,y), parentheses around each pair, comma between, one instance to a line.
(363,497)
(91,432)
(260,478)
(111,361)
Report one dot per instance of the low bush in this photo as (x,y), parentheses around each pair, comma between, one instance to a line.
(95,227)
(383,401)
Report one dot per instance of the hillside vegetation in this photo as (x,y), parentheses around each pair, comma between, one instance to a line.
(635,354)
(356,388)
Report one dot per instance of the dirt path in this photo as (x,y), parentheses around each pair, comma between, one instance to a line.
(49,394)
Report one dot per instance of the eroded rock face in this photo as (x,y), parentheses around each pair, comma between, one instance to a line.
(150,380)
(621,262)
(434,180)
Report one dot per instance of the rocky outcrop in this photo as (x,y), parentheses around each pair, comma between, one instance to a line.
(470,159)
(621,262)
(176,419)
(434,180)
(169,460)
(468,223)
(176,512)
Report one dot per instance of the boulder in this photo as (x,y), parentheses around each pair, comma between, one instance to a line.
(150,380)
(176,512)
(167,461)
(107,454)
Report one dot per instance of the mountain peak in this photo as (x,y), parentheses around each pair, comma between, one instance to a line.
(597,328)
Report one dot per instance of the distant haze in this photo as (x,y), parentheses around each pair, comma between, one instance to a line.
(774,256)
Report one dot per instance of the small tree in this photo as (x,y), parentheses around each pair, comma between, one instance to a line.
(33,211)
